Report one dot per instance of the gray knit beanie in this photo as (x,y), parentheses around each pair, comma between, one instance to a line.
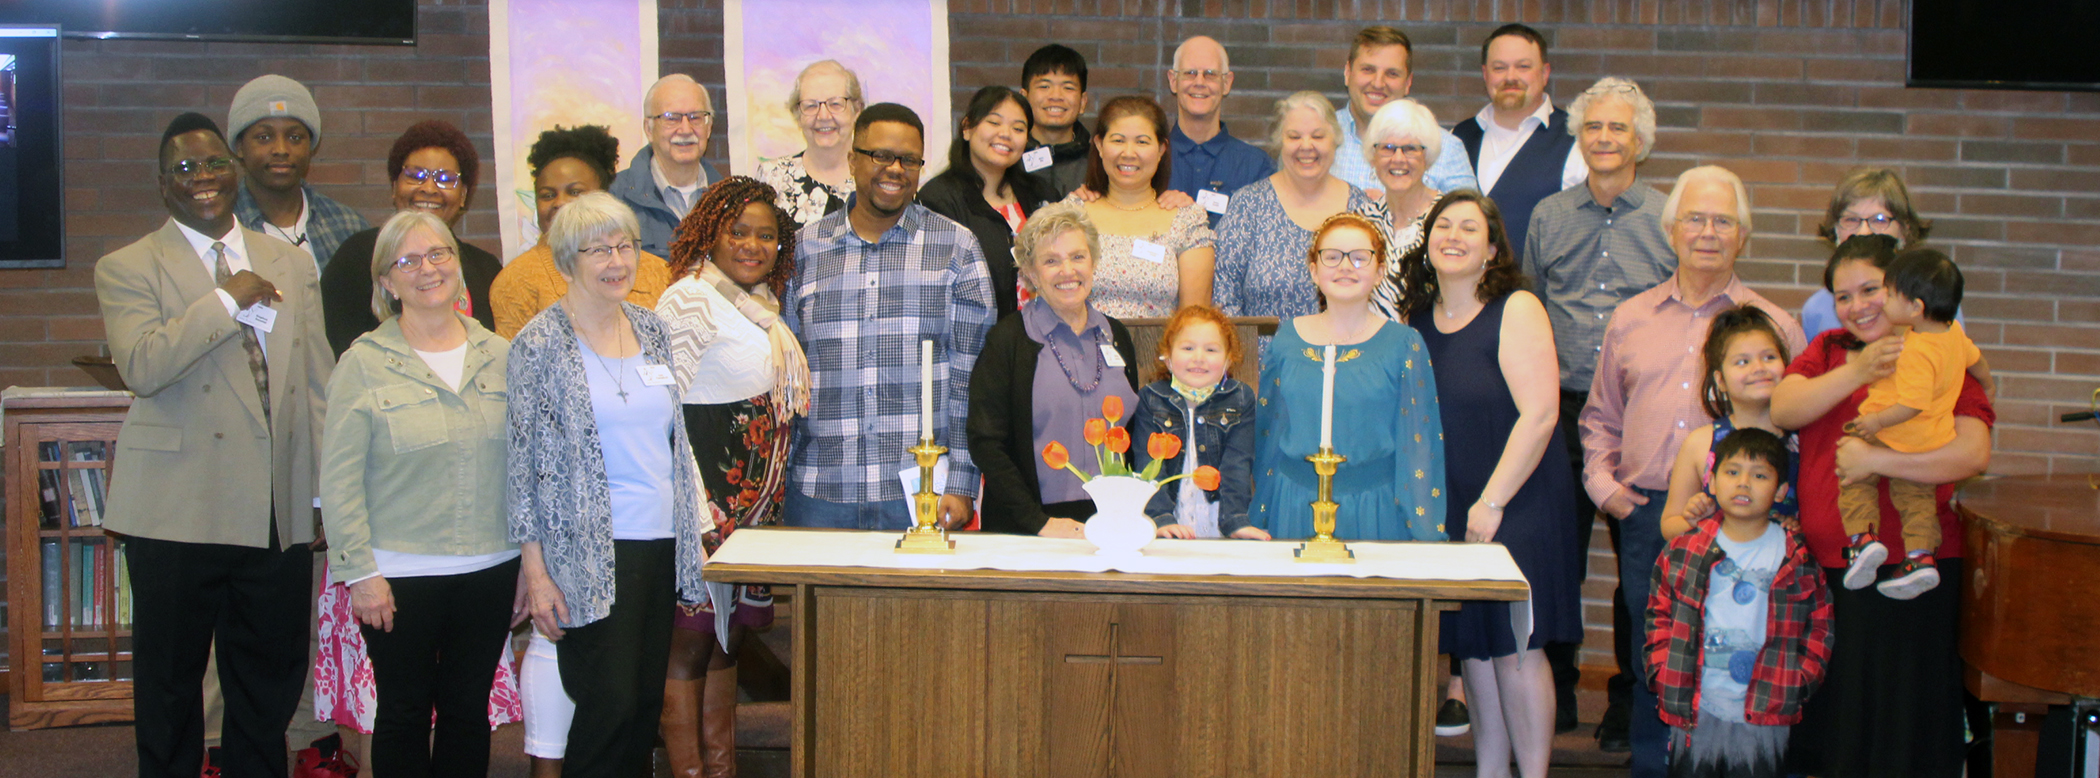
(270,96)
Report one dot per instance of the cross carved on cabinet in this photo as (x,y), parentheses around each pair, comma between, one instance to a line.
(1114,656)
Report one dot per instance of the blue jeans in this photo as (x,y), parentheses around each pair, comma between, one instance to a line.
(1640,543)
(802,510)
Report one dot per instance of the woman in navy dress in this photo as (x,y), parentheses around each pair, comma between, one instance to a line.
(1498,380)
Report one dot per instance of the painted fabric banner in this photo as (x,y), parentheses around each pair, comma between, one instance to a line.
(566,63)
(899,48)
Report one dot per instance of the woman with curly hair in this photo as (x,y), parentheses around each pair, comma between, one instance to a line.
(745,382)
(566,164)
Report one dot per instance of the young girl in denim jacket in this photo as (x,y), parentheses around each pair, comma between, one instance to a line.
(1213,415)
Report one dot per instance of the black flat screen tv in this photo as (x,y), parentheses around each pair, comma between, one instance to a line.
(1994,44)
(32,195)
(298,21)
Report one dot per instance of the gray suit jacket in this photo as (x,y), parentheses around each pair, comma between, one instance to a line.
(195,461)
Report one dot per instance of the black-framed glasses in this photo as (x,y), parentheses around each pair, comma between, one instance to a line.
(837,106)
(1359,259)
(445,179)
(601,253)
(1408,149)
(674,117)
(1876,223)
(187,170)
(1192,74)
(885,159)
(435,257)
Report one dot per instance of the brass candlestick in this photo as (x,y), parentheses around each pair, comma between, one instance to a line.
(926,536)
(1323,547)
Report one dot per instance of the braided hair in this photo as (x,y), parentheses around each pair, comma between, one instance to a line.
(719,207)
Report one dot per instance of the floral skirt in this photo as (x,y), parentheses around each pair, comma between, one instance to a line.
(344,691)
(742,452)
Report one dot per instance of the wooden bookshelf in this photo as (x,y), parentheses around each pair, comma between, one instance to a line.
(69,637)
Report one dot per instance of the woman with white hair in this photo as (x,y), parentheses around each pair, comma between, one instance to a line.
(816,180)
(1268,227)
(605,500)
(1401,142)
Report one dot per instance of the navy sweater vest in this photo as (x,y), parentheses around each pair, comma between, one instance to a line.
(1532,175)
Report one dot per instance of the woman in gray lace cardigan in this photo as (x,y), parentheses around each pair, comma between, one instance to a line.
(604,498)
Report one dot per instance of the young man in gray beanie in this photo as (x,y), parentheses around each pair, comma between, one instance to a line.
(276,128)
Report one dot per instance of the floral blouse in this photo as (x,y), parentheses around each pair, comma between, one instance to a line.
(1127,286)
(804,198)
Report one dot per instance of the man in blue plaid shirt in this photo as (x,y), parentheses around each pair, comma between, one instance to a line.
(871,281)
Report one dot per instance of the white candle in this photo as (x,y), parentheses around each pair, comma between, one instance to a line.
(926,389)
(1327,400)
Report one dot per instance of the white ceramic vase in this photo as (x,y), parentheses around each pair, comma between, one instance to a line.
(1119,526)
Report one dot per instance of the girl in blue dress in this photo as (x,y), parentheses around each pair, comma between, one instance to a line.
(1385,409)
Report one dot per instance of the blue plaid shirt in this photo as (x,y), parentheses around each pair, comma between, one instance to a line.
(327,222)
(1451,172)
(860,309)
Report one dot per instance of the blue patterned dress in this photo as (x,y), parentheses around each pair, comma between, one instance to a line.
(1386,423)
(1261,255)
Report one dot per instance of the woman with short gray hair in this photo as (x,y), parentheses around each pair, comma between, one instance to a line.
(815,181)
(1401,143)
(605,500)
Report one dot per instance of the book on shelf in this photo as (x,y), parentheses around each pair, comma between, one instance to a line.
(48,502)
(54,602)
(123,586)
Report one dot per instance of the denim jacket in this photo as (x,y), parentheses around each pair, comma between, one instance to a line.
(1224,439)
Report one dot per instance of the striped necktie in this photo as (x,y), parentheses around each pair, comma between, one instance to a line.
(250,340)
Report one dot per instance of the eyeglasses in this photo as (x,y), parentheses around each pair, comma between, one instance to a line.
(674,117)
(1409,149)
(435,257)
(885,159)
(445,179)
(1607,89)
(1359,259)
(602,253)
(837,106)
(186,170)
(1698,222)
(1875,223)
(1192,74)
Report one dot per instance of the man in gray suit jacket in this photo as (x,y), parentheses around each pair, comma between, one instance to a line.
(214,479)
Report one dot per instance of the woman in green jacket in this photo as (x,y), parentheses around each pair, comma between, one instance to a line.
(412,490)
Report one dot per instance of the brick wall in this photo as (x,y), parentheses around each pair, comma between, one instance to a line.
(1789,94)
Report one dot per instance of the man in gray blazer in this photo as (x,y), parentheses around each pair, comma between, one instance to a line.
(214,479)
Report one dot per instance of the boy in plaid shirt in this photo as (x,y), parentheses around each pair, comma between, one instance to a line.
(1738,624)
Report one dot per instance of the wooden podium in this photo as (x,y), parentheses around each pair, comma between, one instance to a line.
(996,673)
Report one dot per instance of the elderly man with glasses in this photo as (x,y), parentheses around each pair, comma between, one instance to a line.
(664,180)
(1209,164)
(1645,399)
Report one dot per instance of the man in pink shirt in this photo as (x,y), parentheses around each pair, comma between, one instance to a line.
(1645,398)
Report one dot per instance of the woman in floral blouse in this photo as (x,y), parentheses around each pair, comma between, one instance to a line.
(815,181)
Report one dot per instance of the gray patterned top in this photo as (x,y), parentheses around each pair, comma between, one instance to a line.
(558,494)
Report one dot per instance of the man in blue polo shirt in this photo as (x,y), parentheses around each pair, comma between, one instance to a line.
(1209,164)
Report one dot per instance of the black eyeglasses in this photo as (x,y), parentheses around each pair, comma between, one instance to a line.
(1407,149)
(187,170)
(445,179)
(1359,259)
(885,159)
(674,117)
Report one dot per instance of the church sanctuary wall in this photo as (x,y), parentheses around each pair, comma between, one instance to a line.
(1789,94)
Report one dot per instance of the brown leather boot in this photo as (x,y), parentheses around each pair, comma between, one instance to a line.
(718,722)
(680,726)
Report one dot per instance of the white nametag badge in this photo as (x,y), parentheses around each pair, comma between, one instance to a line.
(1035,159)
(1212,201)
(910,477)
(1110,356)
(655,375)
(1148,251)
(259,316)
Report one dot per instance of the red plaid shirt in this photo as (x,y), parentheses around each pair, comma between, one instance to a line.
(1797,634)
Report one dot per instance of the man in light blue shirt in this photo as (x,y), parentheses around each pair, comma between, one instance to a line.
(1380,69)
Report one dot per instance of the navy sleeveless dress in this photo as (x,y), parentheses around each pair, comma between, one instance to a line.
(1538,525)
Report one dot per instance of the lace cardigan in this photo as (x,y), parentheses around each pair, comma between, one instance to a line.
(558,494)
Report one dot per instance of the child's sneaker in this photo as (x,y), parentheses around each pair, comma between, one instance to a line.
(1865,556)
(1917,575)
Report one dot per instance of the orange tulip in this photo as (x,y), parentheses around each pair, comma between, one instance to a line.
(1112,407)
(1163,445)
(1207,478)
(1056,456)
(1118,439)
(1096,430)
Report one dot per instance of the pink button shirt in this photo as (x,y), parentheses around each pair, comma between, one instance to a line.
(1645,397)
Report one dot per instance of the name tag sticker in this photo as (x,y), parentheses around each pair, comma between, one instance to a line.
(1110,356)
(1149,251)
(1212,201)
(910,477)
(1035,159)
(259,316)
(655,375)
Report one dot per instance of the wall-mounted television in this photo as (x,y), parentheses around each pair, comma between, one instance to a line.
(1993,44)
(32,195)
(298,21)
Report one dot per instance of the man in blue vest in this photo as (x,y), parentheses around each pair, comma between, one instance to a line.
(1520,144)
(1209,164)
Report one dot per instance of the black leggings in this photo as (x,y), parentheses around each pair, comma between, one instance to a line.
(449,631)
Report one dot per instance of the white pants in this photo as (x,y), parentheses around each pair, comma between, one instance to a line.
(548,708)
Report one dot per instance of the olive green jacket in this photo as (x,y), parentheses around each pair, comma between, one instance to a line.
(408,464)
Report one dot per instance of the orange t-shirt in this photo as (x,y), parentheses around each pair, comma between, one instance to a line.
(1928,378)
